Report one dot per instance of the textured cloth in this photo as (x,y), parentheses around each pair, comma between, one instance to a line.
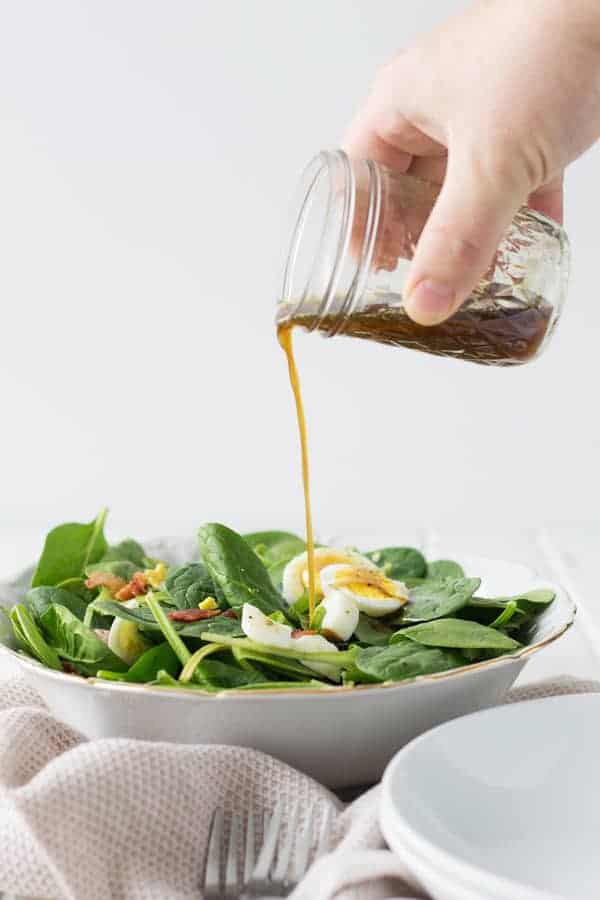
(112,819)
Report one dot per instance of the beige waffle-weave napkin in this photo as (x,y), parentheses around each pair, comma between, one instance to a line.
(112,819)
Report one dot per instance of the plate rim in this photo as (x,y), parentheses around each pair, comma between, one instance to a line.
(424,848)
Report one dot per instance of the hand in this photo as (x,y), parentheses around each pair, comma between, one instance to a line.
(493,106)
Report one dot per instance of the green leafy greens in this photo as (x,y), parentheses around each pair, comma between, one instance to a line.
(68,550)
(188,633)
(237,571)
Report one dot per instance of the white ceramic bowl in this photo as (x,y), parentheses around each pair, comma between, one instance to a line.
(305,729)
(502,804)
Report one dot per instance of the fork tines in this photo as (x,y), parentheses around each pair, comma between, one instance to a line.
(283,858)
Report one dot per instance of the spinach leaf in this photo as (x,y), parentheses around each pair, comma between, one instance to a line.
(77,586)
(69,549)
(123,559)
(457,633)
(399,562)
(435,599)
(402,660)
(269,662)
(487,611)
(126,551)
(340,659)
(40,598)
(236,570)
(444,568)
(189,585)
(30,639)
(145,621)
(372,632)
(275,549)
(76,643)
(219,625)
(8,637)
(532,602)
(140,615)
(525,607)
(150,663)
(163,679)
(298,611)
(77,600)
(220,674)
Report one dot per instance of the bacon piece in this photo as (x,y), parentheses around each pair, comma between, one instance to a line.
(134,588)
(300,632)
(193,615)
(105,579)
(230,614)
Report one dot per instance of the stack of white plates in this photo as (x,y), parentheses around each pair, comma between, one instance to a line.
(503,804)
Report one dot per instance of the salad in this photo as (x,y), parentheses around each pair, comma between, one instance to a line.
(237,618)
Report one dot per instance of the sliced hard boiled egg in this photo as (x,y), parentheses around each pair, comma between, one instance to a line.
(341,615)
(316,643)
(124,638)
(295,574)
(263,630)
(372,592)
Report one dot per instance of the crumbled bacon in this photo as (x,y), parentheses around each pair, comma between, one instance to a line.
(134,588)
(105,579)
(301,632)
(230,614)
(193,615)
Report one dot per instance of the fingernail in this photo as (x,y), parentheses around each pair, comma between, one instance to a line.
(429,302)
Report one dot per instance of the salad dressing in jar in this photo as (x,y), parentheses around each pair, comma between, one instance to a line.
(353,238)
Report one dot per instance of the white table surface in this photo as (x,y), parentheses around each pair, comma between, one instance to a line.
(567,554)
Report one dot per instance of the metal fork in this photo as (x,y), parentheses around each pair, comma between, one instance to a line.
(281,863)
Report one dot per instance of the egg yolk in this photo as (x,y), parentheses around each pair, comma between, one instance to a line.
(322,560)
(369,584)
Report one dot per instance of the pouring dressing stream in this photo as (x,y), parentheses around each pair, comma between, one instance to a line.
(284,336)
(356,227)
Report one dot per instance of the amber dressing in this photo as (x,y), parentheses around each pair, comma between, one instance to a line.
(496,336)
(284,335)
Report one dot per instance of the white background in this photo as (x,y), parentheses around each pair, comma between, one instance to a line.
(147,154)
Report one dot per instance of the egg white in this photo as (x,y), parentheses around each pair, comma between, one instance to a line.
(295,574)
(260,628)
(341,615)
(317,643)
(373,592)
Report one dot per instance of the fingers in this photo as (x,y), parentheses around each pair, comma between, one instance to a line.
(362,142)
(429,168)
(473,212)
(382,132)
(549,200)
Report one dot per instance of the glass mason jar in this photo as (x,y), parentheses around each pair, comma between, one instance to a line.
(356,227)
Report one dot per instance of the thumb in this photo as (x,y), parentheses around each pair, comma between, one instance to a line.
(471,216)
